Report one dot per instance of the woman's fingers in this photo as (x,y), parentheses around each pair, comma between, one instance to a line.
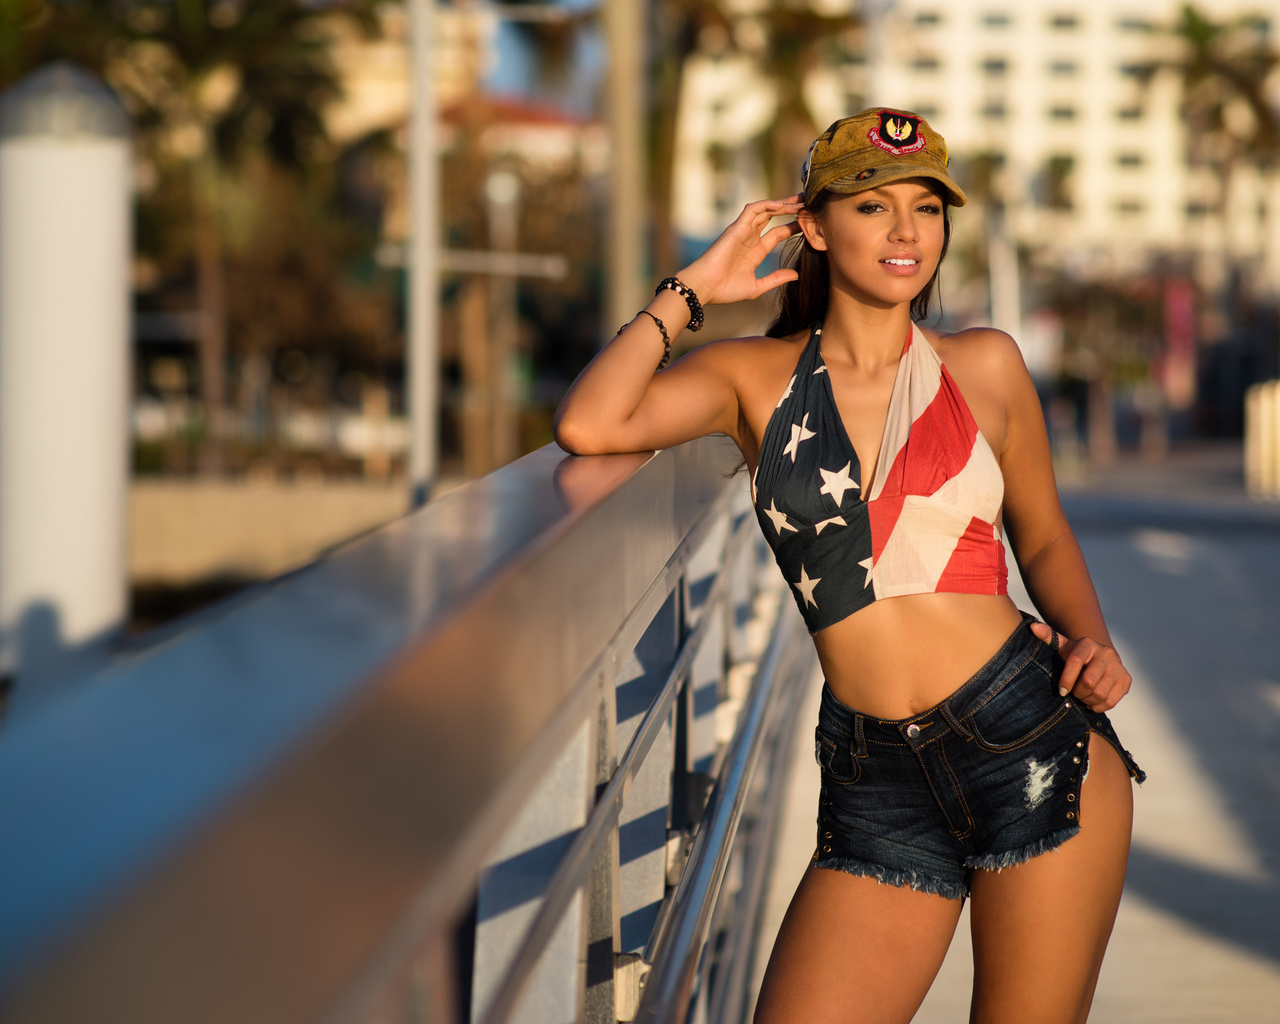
(1092,671)
(781,233)
(775,280)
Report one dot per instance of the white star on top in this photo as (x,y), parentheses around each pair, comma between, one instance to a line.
(833,521)
(779,518)
(866,564)
(786,394)
(799,432)
(836,483)
(806,585)
(820,369)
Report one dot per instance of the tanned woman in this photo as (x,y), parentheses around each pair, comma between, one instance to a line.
(964,745)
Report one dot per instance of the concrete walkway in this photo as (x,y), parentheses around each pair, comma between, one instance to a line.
(1195,611)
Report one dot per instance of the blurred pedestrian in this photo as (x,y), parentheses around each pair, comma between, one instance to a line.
(964,746)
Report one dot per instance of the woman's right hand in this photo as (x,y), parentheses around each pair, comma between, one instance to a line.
(726,272)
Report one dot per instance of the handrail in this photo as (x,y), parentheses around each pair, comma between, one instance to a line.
(670,984)
(279,812)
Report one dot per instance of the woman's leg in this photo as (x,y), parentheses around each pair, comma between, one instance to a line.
(1040,929)
(851,949)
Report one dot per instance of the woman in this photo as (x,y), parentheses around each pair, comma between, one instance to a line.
(965,750)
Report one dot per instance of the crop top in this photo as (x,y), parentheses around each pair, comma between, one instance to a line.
(928,523)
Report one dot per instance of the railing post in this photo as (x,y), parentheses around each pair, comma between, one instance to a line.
(603,938)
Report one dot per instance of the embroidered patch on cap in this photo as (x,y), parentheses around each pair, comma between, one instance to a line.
(897,134)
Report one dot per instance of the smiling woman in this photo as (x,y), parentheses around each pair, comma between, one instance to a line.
(887,460)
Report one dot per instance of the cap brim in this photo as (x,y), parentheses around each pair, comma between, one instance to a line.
(886,175)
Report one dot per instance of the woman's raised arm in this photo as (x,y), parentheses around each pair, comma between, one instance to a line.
(619,404)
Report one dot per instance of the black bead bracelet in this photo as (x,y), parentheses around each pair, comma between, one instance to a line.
(689,296)
(666,338)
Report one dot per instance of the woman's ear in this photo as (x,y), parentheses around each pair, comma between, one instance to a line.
(811,225)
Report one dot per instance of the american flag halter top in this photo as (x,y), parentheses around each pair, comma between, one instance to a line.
(927,522)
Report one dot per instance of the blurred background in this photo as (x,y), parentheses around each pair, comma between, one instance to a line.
(1122,160)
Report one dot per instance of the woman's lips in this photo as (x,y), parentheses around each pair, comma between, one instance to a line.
(901,266)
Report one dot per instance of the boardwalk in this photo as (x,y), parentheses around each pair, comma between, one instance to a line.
(1189,576)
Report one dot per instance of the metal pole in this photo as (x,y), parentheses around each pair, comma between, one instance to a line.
(422,356)
(628,198)
(65,252)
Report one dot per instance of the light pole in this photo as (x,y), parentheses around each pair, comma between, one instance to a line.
(422,358)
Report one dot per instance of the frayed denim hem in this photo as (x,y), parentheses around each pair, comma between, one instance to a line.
(890,876)
(1012,858)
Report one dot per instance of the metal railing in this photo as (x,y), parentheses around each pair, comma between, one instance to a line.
(515,757)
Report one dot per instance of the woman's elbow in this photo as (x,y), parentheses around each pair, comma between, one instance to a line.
(575,438)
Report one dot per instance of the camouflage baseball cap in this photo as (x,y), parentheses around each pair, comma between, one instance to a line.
(873,148)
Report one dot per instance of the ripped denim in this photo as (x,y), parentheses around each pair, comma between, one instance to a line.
(986,779)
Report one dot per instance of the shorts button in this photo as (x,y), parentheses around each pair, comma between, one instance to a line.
(1075,760)
(913,730)
(1070,814)
(1079,743)
(1071,798)
(827,835)
(827,849)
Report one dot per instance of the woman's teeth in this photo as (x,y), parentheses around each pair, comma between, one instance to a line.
(901,263)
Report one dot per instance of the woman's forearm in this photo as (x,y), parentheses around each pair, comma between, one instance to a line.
(1059,584)
(609,391)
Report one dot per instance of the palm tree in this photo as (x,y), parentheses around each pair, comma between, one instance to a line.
(207,82)
(1224,67)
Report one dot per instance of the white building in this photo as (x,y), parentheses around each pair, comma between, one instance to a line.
(1090,141)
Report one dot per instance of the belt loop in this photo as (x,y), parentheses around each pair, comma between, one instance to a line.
(859,743)
(954,722)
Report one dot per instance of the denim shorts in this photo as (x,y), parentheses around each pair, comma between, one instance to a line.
(988,778)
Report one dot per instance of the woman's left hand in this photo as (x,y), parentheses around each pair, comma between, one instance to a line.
(1091,670)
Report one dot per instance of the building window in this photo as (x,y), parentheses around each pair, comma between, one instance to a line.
(995,19)
(994,111)
(928,19)
(1129,207)
(1062,113)
(1063,22)
(1055,182)
(926,63)
(995,66)
(1129,159)
(1134,24)
(1138,71)
(1197,209)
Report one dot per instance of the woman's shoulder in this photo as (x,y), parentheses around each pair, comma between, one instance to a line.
(979,351)
(752,357)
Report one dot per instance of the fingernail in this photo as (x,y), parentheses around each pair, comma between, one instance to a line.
(1063,691)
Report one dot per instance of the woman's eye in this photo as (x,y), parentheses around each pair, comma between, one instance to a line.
(870,208)
(931,208)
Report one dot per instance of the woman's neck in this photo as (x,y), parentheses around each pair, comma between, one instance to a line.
(865,336)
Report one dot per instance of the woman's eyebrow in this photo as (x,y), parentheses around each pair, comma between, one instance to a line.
(924,193)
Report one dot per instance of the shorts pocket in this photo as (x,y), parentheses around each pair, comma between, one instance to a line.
(1026,707)
(836,759)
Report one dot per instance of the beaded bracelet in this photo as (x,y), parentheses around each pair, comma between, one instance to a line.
(689,296)
(666,338)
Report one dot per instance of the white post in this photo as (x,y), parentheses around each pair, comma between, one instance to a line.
(65,244)
(422,356)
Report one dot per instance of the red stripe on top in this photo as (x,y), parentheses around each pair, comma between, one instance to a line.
(938,446)
(882,515)
(977,564)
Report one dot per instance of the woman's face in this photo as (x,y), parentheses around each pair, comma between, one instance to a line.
(882,245)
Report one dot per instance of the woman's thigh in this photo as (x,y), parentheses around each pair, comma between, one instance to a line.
(1040,929)
(853,949)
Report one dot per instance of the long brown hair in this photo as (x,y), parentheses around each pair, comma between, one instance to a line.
(802,304)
